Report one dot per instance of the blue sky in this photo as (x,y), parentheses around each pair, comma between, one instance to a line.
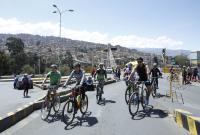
(172,24)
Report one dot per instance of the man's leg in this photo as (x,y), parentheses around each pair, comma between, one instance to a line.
(27,91)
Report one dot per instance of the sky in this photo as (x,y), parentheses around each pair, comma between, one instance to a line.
(171,24)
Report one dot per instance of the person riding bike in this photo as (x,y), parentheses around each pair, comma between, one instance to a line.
(79,75)
(101,75)
(155,73)
(141,70)
(55,77)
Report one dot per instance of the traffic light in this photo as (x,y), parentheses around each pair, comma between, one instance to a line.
(164,51)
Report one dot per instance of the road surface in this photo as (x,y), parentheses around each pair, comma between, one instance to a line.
(112,118)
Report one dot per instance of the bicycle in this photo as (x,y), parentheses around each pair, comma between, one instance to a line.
(131,85)
(75,102)
(51,101)
(99,88)
(137,97)
(154,86)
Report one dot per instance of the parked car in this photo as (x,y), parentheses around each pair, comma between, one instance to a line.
(18,84)
(109,70)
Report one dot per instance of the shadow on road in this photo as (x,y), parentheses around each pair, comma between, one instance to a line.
(152,113)
(54,117)
(27,97)
(104,102)
(84,121)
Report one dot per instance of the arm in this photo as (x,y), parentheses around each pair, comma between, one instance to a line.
(47,76)
(132,74)
(105,74)
(70,77)
(59,79)
(160,74)
(83,78)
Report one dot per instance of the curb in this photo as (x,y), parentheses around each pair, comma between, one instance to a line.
(186,120)
(13,117)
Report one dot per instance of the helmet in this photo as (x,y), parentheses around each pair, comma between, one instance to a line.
(54,66)
(154,64)
(77,64)
(101,64)
(140,58)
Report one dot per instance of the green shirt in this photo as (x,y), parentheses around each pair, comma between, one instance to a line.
(54,77)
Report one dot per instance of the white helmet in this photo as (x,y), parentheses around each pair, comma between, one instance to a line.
(154,64)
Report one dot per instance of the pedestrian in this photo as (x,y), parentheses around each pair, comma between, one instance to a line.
(189,73)
(184,76)
(93,71)
(195,74)
(25,82)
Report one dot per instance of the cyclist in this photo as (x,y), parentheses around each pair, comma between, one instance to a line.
(101,75)
(79,75)
(155,73)
(141,70)
(55,77)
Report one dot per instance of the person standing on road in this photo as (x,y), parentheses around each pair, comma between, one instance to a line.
(189,73)
(118,72)
(25,82)
(93,71)
(195,74)
(184,76)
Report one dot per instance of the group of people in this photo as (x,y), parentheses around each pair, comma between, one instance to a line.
(78,74)
(190,74)
(143,75)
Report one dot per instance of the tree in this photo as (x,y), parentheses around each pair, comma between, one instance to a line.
(4,63)
(68,59)
(17,55)
(27,69)
(64,70)
(181,60)
(15,45)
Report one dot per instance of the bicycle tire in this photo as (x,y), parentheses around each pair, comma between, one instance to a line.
(99,95)
(128,94)
(84,104)
(65,117)
(134,103)
(45,109)
(56,100)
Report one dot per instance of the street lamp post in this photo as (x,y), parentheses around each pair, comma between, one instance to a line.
(60,17)
(60,14)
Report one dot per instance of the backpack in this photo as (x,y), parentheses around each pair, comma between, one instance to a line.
(25,81)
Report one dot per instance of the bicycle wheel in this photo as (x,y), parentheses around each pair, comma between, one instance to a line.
(45,109)
(133,104)
(84,105)
(99,95)
(154,90)
(56,104)
(68,112)
(128,94)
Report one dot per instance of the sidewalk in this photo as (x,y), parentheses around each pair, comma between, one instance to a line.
(11,99)
(190,97)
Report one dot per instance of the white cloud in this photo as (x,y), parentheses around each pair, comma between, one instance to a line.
(15,26)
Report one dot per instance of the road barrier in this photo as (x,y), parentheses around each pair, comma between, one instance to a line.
(186,120)
(20,113)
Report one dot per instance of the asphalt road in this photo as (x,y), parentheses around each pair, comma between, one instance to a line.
(112,118)
(11,99)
